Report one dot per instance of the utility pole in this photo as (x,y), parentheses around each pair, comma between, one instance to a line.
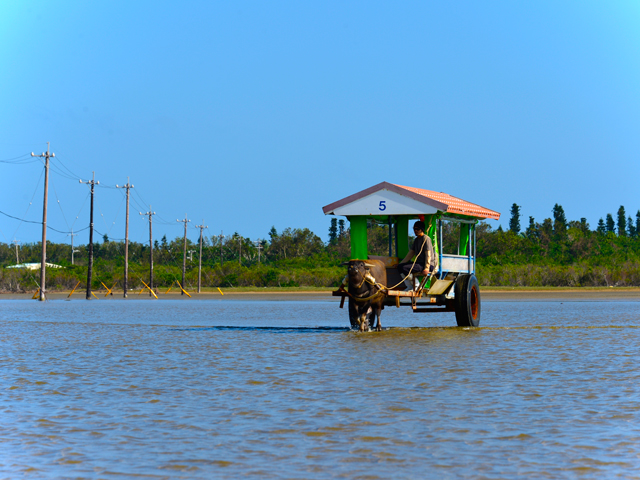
(43,262)
(201,227)
(221,237)
(16,243)
(93,183)
(128,186)
(184,256)
(150,214)
(72,250)
(259,247)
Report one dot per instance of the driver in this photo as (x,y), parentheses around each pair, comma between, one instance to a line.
(425,261)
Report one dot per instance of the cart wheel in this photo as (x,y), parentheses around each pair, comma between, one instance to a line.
(467,300)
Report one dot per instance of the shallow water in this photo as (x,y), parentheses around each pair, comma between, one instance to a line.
(281,389)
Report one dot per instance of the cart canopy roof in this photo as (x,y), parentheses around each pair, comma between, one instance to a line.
(390,199)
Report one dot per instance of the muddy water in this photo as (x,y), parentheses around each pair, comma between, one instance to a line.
(219,389)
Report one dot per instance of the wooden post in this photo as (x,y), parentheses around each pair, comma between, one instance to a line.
(92,183)
(43,260)
(150,252)
(201,227)
(150,214)
(128,186)
(184,253)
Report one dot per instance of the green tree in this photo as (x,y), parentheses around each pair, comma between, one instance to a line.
(341,229)
(514,222)
(601,228)
(559,219)
(584,226)
(333,231)
(611,225)
(622,222)
(631,227)
(532,229)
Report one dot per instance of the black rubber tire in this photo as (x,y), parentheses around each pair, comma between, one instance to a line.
(467,298)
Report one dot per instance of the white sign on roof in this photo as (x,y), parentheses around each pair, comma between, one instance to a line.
(385,202)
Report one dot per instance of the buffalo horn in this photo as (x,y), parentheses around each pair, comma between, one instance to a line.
(368,265)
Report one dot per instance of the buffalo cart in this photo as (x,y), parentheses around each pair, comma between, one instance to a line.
(453,286)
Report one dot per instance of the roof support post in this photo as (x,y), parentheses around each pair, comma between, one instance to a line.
(431,223)
(402,226)
(464,238)
(358,233)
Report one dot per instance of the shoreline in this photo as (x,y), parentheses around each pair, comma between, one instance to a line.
(294,294)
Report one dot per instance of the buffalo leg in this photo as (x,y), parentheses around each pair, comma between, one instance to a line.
(364,323)
(353,314)
(378,326)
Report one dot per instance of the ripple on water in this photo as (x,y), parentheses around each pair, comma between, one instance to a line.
(207,389)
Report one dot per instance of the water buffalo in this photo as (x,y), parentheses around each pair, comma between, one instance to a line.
(366,295)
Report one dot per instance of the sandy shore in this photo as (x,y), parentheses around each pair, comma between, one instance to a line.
(487,293)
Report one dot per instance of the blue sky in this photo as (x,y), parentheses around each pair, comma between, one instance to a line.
(253,114)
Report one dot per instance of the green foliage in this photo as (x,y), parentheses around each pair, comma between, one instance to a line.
(622,222)
(514,222)
(559,219)
(552,253)
(631,227)
(333,231)
(610,223)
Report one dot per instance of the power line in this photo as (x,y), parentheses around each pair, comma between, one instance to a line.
(21,219)
(40,223)
(58,171)
(73,175)
(27,211)
(58,201)
(20,160)
(70,231)
(110,239)
(80,211)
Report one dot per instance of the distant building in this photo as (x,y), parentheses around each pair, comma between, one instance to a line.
(34,266)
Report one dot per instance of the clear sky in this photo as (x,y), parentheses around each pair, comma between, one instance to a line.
(253,114)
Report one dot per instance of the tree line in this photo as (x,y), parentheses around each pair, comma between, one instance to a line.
(554,252)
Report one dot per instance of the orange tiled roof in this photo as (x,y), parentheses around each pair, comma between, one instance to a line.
(455,204)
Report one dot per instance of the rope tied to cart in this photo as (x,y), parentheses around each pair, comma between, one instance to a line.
(379,293)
